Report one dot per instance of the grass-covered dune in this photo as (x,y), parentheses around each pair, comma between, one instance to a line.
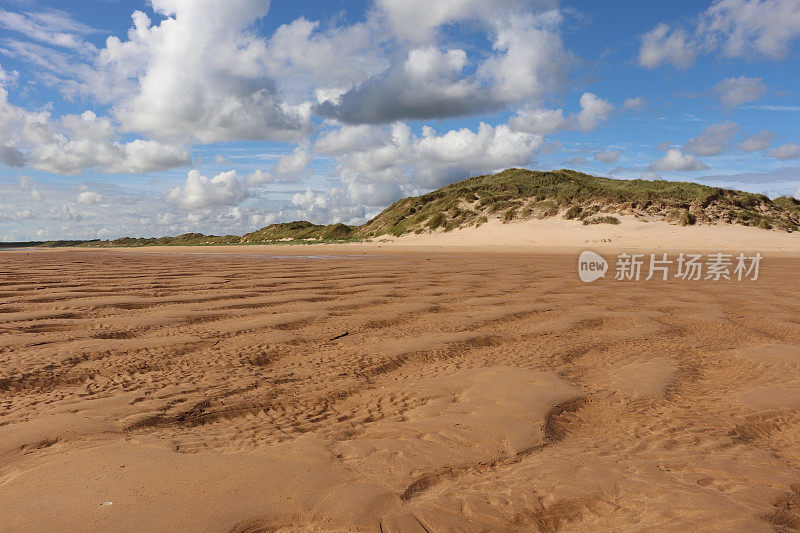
(301,230)
(524,194)
(518,194)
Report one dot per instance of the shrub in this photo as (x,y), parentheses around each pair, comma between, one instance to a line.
(435,221)
(601,220)
(573,212)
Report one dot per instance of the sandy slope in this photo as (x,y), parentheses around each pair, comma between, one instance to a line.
(559,234)
(393,390)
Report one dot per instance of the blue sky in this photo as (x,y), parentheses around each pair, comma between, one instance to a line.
(150,118)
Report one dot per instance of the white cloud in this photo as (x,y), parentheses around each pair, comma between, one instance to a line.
(530,58)
(309,61)
(734,28)
(714,140)
(419,20)
(51,27)
(745,28)
(427,80)
(594,110)
(405,164)
(664,45)
(634,104)
(309,199)
(7,77)
(734,92)
(89,198)
(27,184)
(608,157)
(291,165)
(224,189)
(489,148)
(77,142)
(350,139)
(426,84)
(200,74)
(754,143)
(539,121)
(786,151)
(675,161)
(259,177)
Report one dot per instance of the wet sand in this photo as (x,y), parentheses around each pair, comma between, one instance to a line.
(392,390)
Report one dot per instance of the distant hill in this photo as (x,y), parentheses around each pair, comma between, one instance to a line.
(301,230)
(518,194)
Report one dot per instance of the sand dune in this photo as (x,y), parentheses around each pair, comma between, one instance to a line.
(392,389)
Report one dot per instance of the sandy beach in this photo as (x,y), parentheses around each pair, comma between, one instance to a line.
(399,266)
(391,389)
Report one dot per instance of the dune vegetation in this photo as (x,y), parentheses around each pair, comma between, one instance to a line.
(518,194)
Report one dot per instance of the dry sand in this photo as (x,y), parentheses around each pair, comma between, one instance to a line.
(553,234)
(393,389)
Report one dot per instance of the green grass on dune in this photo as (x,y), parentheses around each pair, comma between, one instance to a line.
(519,193)
(300,230)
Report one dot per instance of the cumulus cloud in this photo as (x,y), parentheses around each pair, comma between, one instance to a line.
(733,92)
(291,165)
(89,198)
(530,59)
(77,142)
(200,74)
(714,140)
(744,28)
(350,139)
(754,143)
(429,81)
(608,157)
(324,64)
(259,177)
(734,28)
(539,121)
(675,161)
(224,189)
(664,45)
(786,151)
(427,84)
(490,147)
(379,165)
(309,199)
(594,110)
